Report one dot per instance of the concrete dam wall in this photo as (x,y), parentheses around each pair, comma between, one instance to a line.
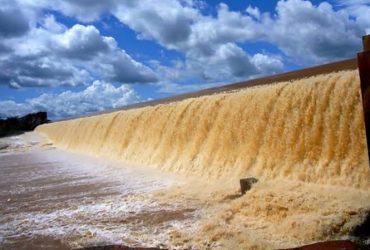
(310,129)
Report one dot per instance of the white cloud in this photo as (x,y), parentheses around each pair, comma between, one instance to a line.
(50,24)
(99,96)
(180,25)
(85,11)
(83,42)
(227,61)
(352,2)
(82,10)
(167,21)
(253,11)
(313,34)
(298,28)
(209,43)
(43,52)
(267,64)
(359,9)
(13,21)
(53,55)
(11,108)
(305,33)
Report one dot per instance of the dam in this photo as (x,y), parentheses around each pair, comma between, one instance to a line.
(166,174)
(310,130)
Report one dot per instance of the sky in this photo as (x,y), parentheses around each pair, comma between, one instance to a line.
(74,57)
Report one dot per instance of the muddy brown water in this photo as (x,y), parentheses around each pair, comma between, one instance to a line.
(51,199)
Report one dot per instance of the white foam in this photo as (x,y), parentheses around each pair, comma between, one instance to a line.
(93,216)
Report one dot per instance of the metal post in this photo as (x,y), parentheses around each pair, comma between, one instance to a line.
(363,60)
(366,42)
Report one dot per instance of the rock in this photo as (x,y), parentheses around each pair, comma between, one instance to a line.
(361,233)
(247,183)
(15,125)
(3,146)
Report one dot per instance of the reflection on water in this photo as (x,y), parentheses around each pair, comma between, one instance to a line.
(61,199)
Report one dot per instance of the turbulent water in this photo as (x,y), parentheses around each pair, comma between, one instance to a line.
(52,199)
(304,141)
(309,130)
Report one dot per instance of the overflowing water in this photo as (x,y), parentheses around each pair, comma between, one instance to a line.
(310,130)
(303,140)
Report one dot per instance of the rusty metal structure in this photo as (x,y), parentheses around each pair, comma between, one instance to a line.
(363,60)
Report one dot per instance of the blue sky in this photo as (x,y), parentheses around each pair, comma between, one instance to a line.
(72,57)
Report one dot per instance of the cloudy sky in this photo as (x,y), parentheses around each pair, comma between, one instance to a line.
(72,57)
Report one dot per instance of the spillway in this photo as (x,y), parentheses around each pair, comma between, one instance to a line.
(310,130)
